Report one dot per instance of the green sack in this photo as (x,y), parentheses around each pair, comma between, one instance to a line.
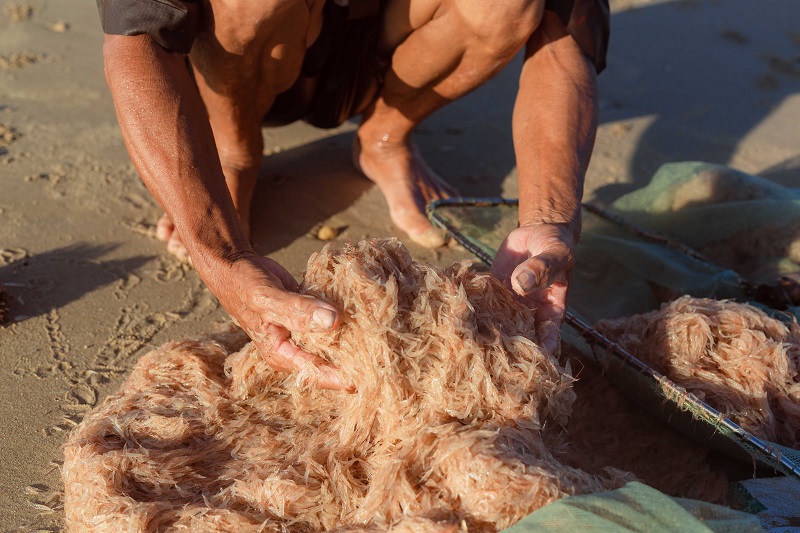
(635,507)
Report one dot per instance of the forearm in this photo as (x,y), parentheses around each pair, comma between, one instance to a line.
(169,139)
(555,121)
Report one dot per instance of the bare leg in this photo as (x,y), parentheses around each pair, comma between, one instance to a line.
(443,49)
(255,52)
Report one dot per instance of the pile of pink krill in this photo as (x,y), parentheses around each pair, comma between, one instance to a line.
(459,420)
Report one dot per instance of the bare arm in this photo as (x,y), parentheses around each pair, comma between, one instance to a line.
(169,139)
(168,136)
(555,120)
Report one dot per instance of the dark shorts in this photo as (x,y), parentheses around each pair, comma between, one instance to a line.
(342,71)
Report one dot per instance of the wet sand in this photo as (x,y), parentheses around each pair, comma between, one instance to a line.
(91,290)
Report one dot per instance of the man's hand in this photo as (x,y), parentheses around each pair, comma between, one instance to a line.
(536,262)
(261,295)
(555,120)
(166,130)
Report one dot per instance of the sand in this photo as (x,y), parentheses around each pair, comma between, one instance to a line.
(92,290)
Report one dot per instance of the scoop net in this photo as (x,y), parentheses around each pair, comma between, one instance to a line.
(632,269)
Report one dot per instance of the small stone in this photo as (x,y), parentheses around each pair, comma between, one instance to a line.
(59,27)
(327,233)
(7,135)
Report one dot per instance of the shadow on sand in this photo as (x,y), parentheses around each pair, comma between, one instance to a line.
(38,283)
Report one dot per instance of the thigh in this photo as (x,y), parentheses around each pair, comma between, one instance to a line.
(483,19)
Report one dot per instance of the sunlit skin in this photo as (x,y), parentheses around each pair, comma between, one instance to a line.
(198,144)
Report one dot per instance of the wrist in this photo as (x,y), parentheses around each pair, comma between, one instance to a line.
(224,275)
(568,228)
(554,202)
(214,260)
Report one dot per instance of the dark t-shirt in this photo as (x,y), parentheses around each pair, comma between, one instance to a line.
(171,23)
(174,23)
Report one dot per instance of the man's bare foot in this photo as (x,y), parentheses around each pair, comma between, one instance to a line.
(406,181)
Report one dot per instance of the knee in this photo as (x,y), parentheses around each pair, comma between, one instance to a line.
(251,47)
(239,24)
(501,28)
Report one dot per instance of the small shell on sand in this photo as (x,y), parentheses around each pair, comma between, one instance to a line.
(328,233)
(59,26)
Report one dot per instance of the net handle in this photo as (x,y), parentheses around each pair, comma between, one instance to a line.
(461,239)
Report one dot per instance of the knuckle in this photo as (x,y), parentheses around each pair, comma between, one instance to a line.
(303,306)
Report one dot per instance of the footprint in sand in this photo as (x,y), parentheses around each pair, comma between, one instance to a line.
(140,227)
(11,255)
(16,60)
(786,66)
(7,136)
(169,270)
(135,327)
(125,285)
(779,66)
(734,36)
(19,12)
(52,179)
(42,498)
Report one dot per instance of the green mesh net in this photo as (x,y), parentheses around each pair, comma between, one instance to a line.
(698,229)
(738,220)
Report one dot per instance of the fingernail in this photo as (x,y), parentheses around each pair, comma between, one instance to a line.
(323,318)
(526,281)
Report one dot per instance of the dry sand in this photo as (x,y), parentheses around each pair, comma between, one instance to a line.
(92,290)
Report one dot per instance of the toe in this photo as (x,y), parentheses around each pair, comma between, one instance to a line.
(429,238)
(164,228)
(175,247)
(419,229)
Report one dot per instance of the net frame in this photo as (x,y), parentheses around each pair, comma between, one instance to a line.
(668,401)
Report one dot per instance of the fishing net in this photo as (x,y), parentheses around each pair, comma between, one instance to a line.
(697,229)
